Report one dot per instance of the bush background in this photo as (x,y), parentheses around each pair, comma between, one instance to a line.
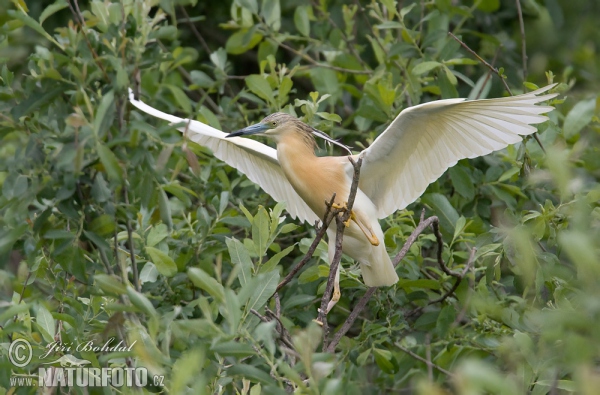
(88,183)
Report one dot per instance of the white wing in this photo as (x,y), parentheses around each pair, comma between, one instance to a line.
(257,161)
(425,140)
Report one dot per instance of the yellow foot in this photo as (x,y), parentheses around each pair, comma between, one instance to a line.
(368,232)
(334,299)
(365,229)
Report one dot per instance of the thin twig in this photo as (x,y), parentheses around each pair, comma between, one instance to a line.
(259,315)
(431,221)
(311,250)
(428,363)
(324,65)
(459,277)
(194,30)
(81,22)
(334,265)
(489,66)
(365,299)
(488,74)
(428,356)
(134,268)
(523,45)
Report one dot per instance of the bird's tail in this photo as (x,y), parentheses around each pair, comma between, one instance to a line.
(381,272)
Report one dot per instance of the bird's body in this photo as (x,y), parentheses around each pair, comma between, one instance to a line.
(416,149)
(316,179)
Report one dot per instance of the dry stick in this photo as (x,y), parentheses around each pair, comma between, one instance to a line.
(495,71)
(333,266)
(488,75)
(134,268)
(81,22)
(194,30)
(324,65)
(365,299)
(489,66)
(329,215)
(431,221)
(523,46)
(428,363)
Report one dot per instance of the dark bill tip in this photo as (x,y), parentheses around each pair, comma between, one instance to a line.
(252,129)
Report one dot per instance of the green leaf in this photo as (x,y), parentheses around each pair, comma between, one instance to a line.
(260,87)
(301,20)
(249,372)
(140,301)
(425,67)
(271,13)
(459,227)
(383,360)
(233,349)
(103,117)
(110,284)
(462,182)
(204,281)
(239,256)
(242,41)
(463,61)
(164,263)
(330,116)
(579,117)
(274,261)
(110,163)
(33,24)
(157,234)
(35,101)
(165,208)
(52,9)
(181,98)
(488,6)
(445,321)
(45,320)
(260,231)
(201,79)
(443,209)
(265,288)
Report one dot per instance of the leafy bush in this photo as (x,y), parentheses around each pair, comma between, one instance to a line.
(113,226)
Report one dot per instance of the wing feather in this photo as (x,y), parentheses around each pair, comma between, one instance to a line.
(425,140)
(256,160)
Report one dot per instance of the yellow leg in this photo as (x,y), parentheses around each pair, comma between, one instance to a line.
(337,293)
(365,229)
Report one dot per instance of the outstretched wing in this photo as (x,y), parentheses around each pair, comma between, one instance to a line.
(256,160)
(425,140)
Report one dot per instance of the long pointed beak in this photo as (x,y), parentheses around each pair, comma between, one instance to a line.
(252,129)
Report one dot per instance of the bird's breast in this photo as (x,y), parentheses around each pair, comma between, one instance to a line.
(315,179)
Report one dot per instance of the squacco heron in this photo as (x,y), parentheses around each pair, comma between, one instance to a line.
(415,150)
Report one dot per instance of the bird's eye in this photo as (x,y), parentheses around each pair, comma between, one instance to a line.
(273,123)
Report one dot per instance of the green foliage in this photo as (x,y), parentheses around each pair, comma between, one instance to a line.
(113,226)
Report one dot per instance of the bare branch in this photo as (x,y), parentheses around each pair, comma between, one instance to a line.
(134,268)
(333,266)
(523,45)
(329,215)
(314,62)
(489,66)
(362,303)
(428,363)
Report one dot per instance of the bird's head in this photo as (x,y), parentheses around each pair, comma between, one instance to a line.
(278,124)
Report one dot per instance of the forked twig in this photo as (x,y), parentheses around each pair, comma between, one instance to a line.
(333,266)
(431,221)
(327,218)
